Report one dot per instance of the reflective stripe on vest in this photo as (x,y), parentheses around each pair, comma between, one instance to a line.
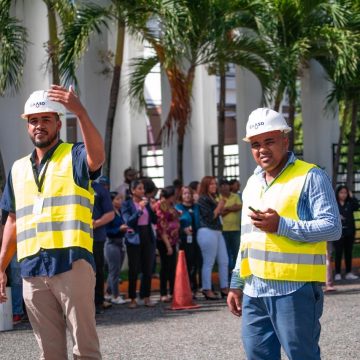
(56,201)
(285,258)
(66,216)
(54,226)
(270,256)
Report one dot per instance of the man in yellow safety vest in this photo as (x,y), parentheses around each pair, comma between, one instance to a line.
(289,212)
(49,199)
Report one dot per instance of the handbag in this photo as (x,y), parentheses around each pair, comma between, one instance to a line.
(132,238)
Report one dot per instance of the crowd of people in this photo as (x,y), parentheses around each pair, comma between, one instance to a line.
(151,225)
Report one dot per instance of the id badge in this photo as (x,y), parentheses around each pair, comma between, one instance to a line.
(38,205)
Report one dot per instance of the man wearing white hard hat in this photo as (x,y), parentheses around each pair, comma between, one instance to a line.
(49,198)
(289,212)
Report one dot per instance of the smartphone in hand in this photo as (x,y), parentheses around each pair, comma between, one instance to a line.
(253,210)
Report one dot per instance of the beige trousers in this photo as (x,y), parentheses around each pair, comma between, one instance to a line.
(64,301)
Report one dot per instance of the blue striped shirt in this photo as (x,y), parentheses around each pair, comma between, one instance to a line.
(319,220)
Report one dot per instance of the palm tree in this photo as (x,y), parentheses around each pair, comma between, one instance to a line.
(202,32)
(295,32)
(177,58)
(90,19)
(13,42)
(65,11)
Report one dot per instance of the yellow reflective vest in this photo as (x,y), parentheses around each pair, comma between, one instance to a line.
(60,216)
(268,255)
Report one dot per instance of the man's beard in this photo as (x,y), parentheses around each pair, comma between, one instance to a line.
(44,143)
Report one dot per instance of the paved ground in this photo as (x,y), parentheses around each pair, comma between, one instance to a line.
(210,332)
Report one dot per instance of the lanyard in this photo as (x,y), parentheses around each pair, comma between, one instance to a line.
(39,179)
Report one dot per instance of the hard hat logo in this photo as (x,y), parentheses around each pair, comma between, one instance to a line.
(38,102)
(256,126)
(264,120)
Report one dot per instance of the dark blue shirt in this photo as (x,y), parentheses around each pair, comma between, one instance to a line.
(49,262)
(102,205)
(113,228)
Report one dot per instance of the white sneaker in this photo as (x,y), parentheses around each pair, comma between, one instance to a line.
(108,297)
(140,301)
(337,277)
(118,300)
(351,276)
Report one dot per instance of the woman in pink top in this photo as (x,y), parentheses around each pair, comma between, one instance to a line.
(168,225)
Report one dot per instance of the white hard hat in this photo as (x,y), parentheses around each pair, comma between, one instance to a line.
(263,120)
(38,102)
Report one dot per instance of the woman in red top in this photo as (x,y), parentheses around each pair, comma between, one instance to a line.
(168,226)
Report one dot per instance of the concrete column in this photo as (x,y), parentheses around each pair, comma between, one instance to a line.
(320,126)
(14,139)
(248,98)
(169,150)
(202,132)
(130,124)
(94,86)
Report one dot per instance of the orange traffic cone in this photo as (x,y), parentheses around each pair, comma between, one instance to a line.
(182,297)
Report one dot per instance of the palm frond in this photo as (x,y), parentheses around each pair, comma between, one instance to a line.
(66,10)
(142,67)
(13,44)
(89,19)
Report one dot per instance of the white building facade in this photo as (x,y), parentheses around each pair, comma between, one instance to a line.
(130,124)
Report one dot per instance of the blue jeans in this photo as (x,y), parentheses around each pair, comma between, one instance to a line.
(16,287)
(291,321)
(212,245)
(232,241)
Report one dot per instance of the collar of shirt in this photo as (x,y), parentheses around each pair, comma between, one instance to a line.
(260,173)
(46,156)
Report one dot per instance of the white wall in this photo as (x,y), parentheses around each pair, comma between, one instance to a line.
(249,97)
(320,127)
(203,130)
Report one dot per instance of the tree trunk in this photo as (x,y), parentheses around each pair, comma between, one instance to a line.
(221,126)
(291,118)
(114,92)
(339,145)
(180,157)
(53,43)
(351,147)
(278,98)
